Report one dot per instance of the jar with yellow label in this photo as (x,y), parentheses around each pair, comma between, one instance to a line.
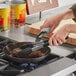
(4,17)
(18,13)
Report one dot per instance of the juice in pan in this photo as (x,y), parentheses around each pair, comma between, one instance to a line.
(4,17)
(18,13)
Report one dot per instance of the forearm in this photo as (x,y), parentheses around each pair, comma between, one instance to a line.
(71,28)
(71,13)
(68,14)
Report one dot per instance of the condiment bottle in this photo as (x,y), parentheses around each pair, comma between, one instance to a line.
(18,13)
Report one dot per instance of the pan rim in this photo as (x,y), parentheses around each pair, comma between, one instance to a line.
(22,60)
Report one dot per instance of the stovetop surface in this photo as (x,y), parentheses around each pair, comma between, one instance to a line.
(8,68)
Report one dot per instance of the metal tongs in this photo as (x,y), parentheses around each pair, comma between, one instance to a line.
(32,47)
(43,32)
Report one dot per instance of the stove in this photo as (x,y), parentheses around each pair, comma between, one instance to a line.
(58,63)
(8,68)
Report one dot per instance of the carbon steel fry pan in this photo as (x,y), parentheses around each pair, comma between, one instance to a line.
(9,48)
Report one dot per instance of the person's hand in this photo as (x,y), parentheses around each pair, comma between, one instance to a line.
(59,37)
(52,22)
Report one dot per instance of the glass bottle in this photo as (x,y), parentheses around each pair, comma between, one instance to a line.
(18,13)
(4,15)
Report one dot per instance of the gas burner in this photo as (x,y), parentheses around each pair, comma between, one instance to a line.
(29,65)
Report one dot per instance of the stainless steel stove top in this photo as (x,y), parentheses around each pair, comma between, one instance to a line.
(56,65)
(8,68)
